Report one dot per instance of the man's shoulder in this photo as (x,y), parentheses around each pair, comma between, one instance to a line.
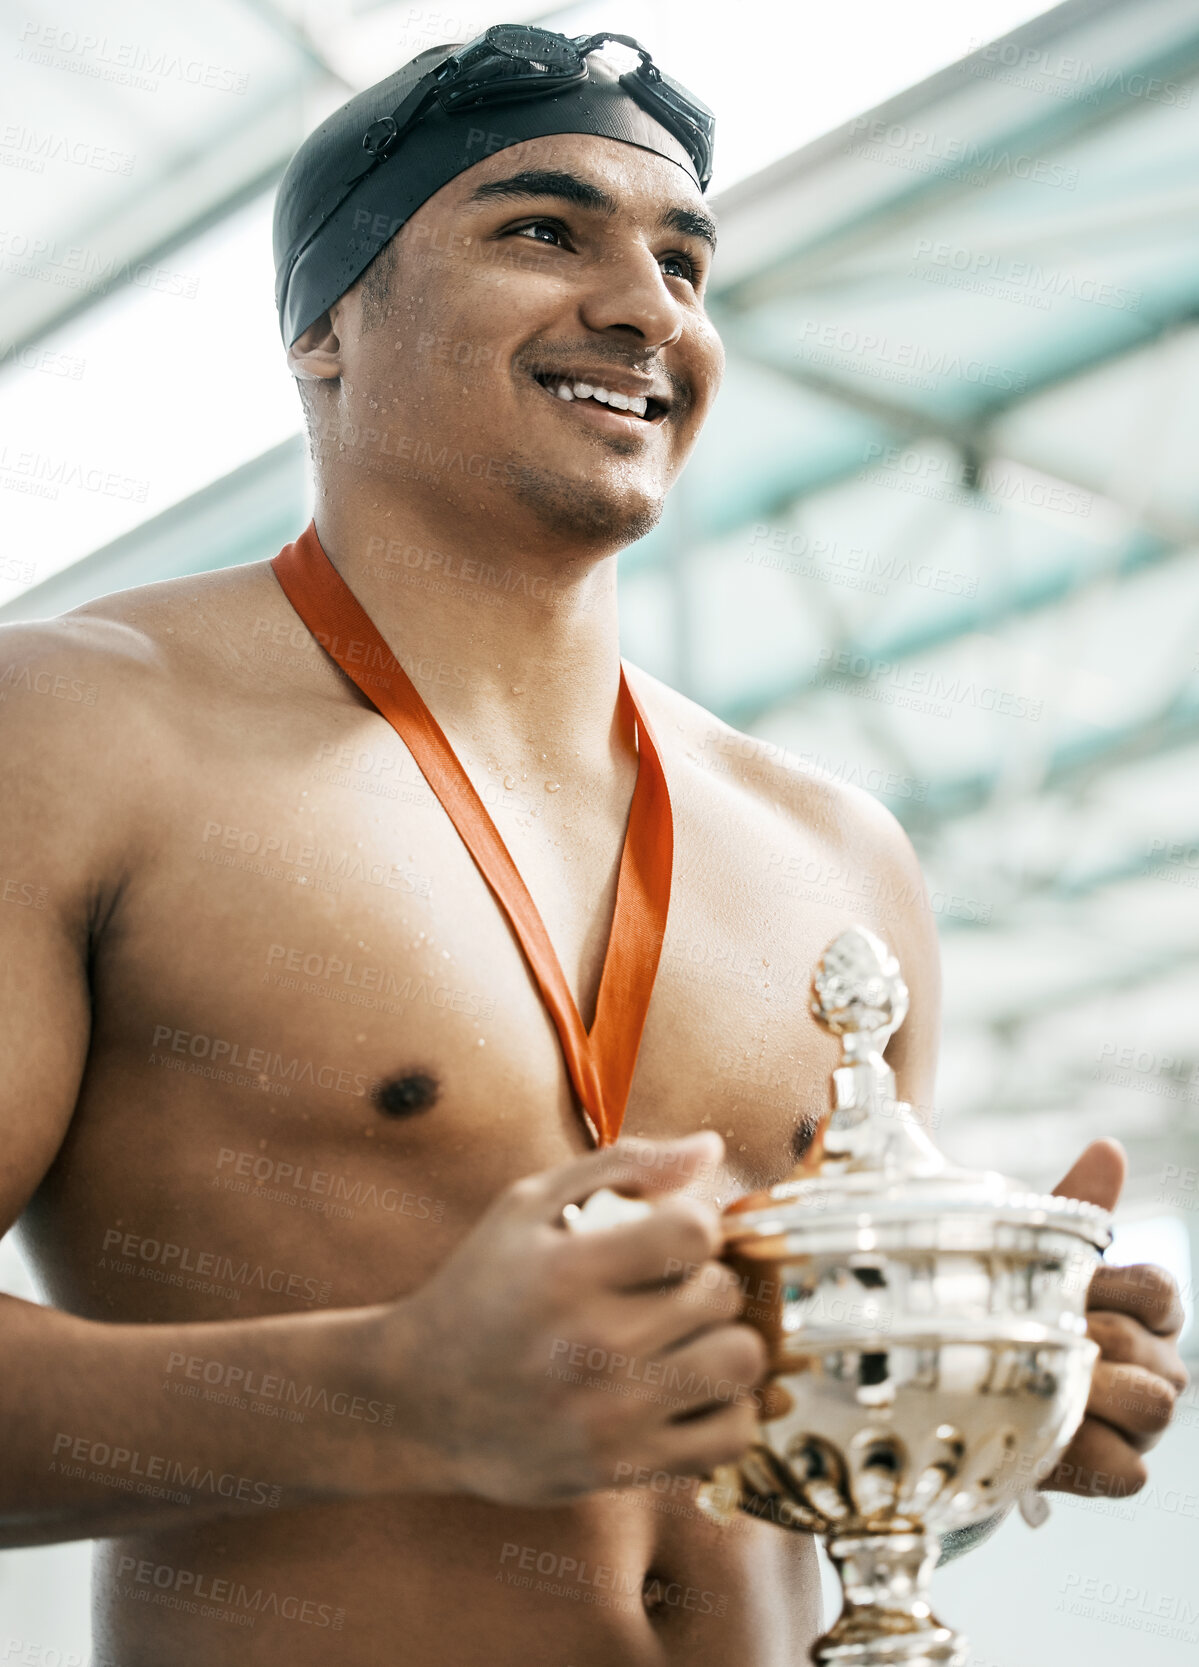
(796,784)
(99,682)
(131,638)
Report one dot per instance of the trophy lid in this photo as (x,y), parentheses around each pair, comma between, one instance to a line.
(872,1174)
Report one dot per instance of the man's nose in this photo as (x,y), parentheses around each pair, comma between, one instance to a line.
(630,293)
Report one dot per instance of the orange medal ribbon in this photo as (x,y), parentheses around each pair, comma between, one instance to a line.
(600,1061)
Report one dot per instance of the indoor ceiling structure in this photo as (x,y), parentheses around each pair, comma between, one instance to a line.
(940,535)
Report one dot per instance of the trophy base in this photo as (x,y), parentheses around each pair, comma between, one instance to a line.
(886,1620)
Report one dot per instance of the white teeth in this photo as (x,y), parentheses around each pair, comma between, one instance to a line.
(637,403)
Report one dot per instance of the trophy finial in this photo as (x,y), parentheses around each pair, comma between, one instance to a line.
(860,996)
(859,988)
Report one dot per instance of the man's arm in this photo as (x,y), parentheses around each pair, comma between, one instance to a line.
(466,1361)
(73,1394)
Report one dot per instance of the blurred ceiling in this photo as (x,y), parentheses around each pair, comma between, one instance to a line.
(941,534)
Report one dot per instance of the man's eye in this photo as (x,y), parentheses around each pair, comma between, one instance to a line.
(688,274)
(550,226)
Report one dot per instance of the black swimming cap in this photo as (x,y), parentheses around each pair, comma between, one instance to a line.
(317,259)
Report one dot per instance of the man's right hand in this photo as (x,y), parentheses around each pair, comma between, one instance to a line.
(539,1365)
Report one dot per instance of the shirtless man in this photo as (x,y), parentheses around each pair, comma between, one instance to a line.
(285,1120)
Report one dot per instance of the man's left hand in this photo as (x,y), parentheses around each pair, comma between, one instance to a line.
(1135,1315)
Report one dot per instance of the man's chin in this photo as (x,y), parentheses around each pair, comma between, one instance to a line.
(586,511)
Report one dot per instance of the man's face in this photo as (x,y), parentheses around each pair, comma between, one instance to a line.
(563,260)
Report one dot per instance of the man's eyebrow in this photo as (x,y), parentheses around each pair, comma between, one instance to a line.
(553,182)
(691,223)
(546,182)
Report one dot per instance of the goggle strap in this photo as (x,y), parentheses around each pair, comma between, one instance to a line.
(646,80)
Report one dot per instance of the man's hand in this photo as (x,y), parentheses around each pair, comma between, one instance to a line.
(547,1364)
(1135,1316)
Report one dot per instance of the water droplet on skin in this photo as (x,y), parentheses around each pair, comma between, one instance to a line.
(729,1133)
(509,782)
(743,1148)
(517,688)
(552,786)
(482,1041)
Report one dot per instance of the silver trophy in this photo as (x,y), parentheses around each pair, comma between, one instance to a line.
(926,1325)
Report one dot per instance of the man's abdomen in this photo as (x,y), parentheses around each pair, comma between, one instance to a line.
(638,1579)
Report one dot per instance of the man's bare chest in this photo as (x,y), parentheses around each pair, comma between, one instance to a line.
(315,1033)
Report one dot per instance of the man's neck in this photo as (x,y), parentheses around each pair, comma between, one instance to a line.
(512,643)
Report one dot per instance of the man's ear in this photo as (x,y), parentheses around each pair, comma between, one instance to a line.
(315,355)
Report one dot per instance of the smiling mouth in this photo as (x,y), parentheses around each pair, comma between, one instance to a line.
(573,390)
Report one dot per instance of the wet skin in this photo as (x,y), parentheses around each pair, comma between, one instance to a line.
(293,1052)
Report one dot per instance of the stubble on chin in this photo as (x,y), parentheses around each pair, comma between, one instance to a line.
(573,509)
